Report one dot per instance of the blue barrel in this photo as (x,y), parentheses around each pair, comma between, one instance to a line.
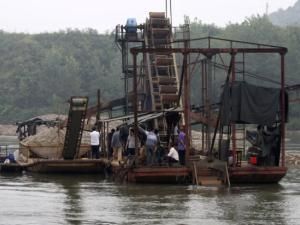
(131,25)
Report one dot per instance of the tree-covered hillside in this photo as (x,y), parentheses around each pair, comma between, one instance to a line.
(38,73)
(261,30)
(288,17)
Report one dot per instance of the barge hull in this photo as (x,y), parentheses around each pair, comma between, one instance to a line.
(160,175)
(68,166)
(256,174)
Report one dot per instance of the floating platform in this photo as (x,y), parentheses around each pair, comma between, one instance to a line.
(154,174)
(256,174)
(160,175)
(69,166)
(11,167)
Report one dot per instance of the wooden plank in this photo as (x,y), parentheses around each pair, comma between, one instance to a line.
(159,22)
(157,14)
(166,98)
(160,32)
(165,80)
(210,180)
(168,89)
(196,175)
(164,60)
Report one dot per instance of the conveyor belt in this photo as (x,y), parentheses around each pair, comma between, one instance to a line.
(162,72)
(77,113)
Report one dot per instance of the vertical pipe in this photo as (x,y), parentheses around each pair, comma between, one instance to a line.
(203,104)
(187,103)
(282,110)
(135,102)
(126,79)
(102,134)
(106,135)
(166,8)
(99,127)
(98,110)
(233,132)
(208,102)
(171,13)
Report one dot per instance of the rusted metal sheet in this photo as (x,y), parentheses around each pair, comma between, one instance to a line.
(157,14)
(68,166)
(169,97)
(168,89)
(165,80)
(256,174)
(207,51)
(159,175)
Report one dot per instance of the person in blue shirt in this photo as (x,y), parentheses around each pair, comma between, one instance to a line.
(151,144)
(181,146)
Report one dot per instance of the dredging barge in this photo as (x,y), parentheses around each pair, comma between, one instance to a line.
(155,91)
(244,111)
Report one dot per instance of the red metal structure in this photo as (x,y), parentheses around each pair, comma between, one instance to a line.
(237,172)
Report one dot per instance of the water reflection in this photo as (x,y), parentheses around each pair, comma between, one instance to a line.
(70,185)
(72,200)
(90,199)
(152,204)
(257,204)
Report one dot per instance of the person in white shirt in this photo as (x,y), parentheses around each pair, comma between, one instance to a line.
(130,144)
(173,156)
(95,141)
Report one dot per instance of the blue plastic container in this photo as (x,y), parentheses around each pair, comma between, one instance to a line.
(131,25)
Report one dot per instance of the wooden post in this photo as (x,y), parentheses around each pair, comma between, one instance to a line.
(282,107)
(233,130)
(99,127)
(135,102)
(187,108)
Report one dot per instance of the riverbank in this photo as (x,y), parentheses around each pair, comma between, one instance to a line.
(8,130)
(292,159)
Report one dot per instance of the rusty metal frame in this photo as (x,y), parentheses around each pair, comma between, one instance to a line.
(209,52)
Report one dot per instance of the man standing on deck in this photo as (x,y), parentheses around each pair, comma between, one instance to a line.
(181,146)
(109,147)
(151,144)
(95,141)
(117,145)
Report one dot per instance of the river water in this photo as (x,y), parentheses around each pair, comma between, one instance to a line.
(91,199)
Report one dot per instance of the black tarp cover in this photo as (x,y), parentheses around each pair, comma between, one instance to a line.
(246,103)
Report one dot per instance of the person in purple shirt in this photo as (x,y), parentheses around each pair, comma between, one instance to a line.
(181,146)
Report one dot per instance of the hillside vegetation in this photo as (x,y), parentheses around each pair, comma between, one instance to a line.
(38,73)
(288,17)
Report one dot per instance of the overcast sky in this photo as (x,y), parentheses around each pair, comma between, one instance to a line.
(35,16)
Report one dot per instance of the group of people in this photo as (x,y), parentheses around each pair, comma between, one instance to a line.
(120,144)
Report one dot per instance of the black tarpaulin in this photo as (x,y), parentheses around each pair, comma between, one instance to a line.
(246,103)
